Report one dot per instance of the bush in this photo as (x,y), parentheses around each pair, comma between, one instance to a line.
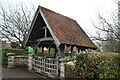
(15,51)
(96,65)
(69,71)
(85,65)
(108,65)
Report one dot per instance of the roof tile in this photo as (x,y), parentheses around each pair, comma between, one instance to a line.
(67,30)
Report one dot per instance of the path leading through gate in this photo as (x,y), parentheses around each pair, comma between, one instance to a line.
(20,72)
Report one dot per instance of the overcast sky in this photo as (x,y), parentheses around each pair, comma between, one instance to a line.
(83,11)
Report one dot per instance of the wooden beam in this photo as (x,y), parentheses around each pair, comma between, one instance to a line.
(31,41)
(36,47)
(55,52)
(47,43)
(71,50)
(61,50)
(78,50)
(45,39)
(45,32)
(42,51)
(31,27)
(49,28)
(49,50)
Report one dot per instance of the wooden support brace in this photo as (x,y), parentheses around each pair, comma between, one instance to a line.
(42,51)
(61,50)
(55,52)
(45,31)
(49,50)
(71,50)
(78,50)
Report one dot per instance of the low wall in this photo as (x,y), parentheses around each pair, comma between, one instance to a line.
(50,66)
(17,61)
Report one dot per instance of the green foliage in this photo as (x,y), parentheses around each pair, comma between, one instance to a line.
(69,55)
(108,65)
(69,73)
(95,65)
(15,51)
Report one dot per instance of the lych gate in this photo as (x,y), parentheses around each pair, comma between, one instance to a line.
(52,32)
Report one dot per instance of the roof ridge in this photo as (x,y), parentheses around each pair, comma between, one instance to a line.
(57,13)
(65,29)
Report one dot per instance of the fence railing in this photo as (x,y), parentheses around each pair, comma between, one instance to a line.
(45,65)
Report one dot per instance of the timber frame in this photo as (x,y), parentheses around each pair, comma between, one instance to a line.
(51,30)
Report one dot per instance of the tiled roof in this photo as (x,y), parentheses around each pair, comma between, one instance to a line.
(67,30)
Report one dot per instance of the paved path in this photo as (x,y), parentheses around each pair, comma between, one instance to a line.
(20,73)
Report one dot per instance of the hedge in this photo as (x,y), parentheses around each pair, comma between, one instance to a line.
(15,51)
(95,65)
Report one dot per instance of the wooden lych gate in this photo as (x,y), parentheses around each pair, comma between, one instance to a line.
(55,32)
(46,65)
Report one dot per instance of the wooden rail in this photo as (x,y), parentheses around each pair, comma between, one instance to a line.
(48,66)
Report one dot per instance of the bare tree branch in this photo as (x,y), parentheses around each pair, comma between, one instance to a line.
(110,28)
(15,23)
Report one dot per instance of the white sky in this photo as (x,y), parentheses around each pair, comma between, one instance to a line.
(83,11)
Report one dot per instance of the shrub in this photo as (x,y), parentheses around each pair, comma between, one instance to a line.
(69,71)
(85,65)
(108,65)
(5,57)
(96,65)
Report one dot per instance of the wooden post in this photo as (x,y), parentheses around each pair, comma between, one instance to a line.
(36,50)
(78,50)
(42,51)
(62,70)
(71,50)
(49,50)
(45,31)
(34,45)
(61,64)
(55,52)
(61,50)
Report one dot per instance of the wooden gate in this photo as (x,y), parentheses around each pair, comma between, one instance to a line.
(48,66)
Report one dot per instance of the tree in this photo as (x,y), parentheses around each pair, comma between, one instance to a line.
(15,44)
(109,31)
(15,23)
